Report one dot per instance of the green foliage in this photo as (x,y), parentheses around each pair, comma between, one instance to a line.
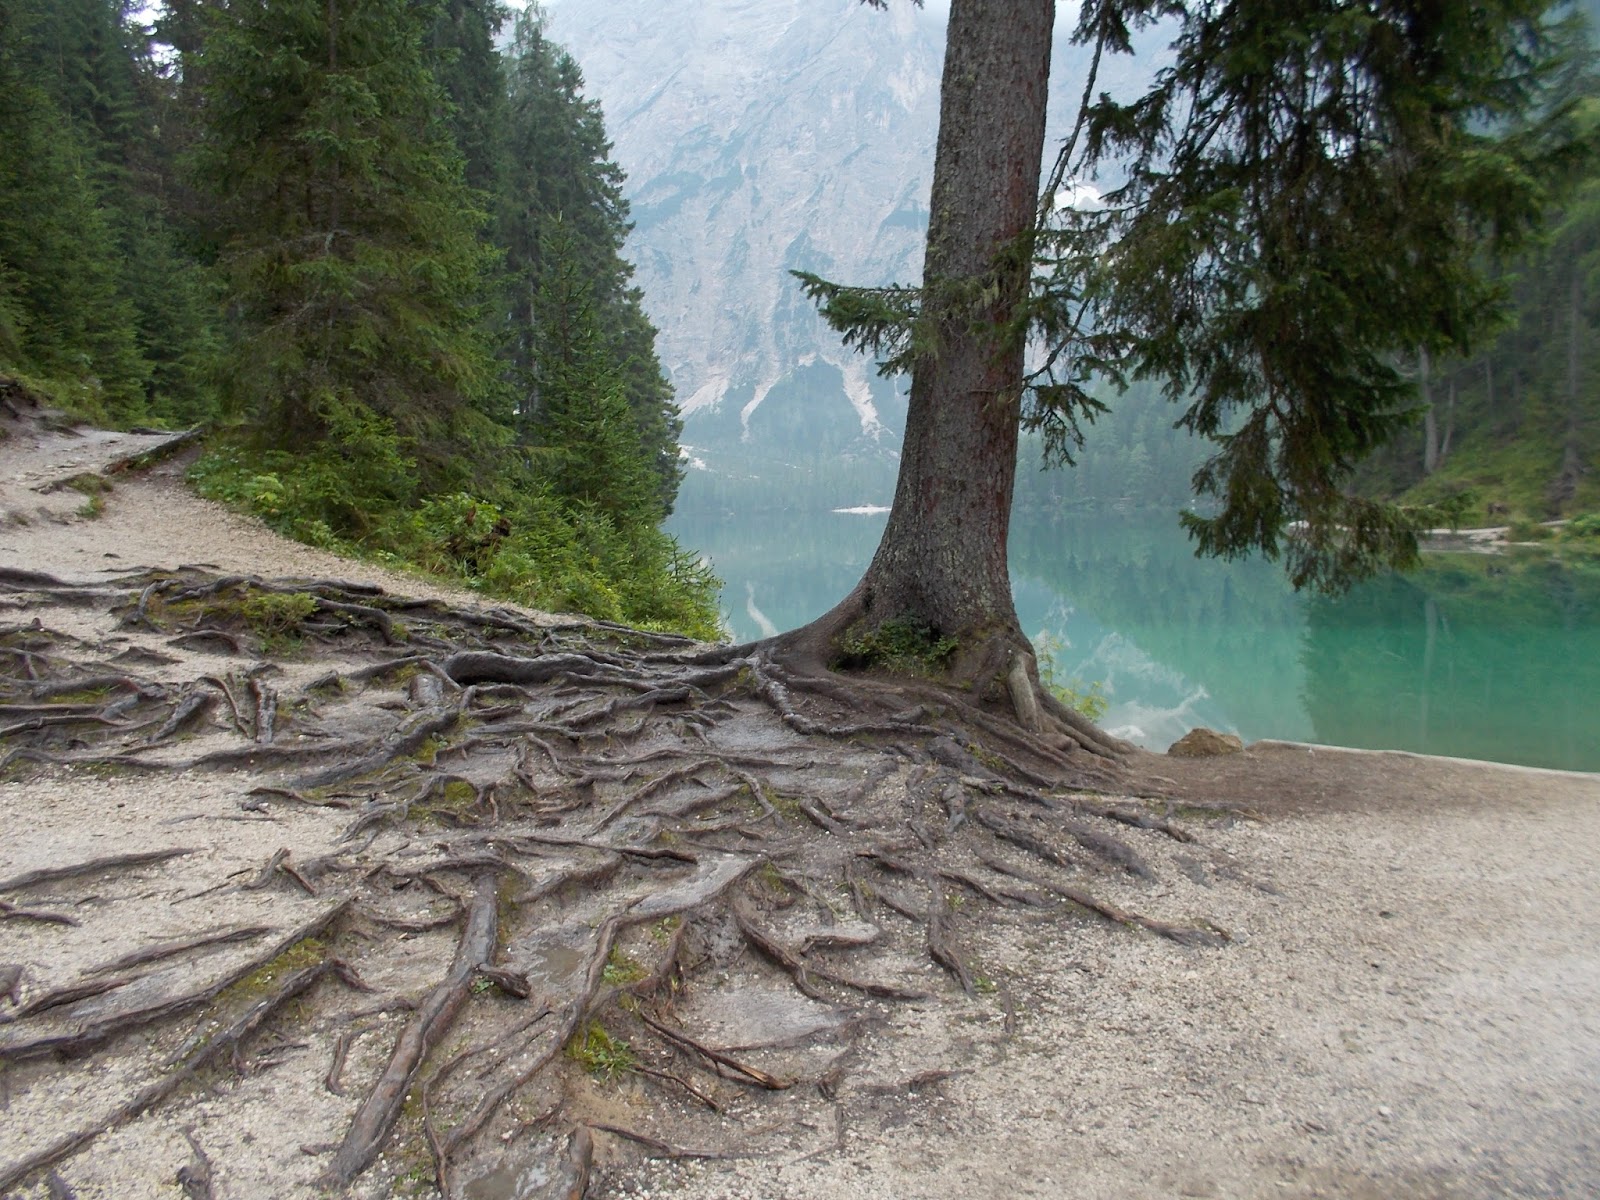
(518,542)
(601,1053)
(277,614)
(901,645)
(1090,699)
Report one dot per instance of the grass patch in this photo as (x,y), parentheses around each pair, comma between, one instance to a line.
(601,1053)
(899,645)
(1503,480)
(622,969)
(276,614)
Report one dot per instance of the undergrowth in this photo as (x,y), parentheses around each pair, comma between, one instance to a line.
(1089,698)
(504,535)
(899,645)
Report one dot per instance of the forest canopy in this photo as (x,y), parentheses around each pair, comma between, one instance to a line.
(382,255)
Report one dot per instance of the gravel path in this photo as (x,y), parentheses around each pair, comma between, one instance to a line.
(1409,1014)
(1408,1010)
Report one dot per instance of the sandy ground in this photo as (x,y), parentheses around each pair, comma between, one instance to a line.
(1408,1009)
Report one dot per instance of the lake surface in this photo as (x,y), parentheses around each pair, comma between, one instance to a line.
(1475,656)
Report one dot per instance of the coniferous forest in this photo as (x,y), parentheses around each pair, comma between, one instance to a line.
(375,245)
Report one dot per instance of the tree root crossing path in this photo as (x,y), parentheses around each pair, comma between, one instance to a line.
(309,888)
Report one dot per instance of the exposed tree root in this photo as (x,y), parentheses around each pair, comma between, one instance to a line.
(94,1030)
(600,816)
(152,1094)
(377,1113)
(93,866)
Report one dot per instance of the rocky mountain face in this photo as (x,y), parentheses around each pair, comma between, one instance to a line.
(760,137)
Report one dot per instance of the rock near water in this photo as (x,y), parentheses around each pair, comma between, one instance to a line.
(1206,743)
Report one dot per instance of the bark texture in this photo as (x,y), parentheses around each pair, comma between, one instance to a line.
(942,561)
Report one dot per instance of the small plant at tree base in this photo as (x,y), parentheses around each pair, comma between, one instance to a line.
(277,615)
(1089,699)
(904,646)
(599,1053)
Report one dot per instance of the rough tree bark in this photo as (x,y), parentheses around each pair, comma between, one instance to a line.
(942,564)
(1430,422)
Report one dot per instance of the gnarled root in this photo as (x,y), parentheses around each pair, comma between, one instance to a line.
(588,830)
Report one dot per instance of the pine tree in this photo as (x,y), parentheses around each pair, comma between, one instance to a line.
(348,245)
(67,319)
(1308,188)
(586,445)
(559,173)
(462,56)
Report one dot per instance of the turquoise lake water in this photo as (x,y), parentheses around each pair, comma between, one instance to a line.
(1493,657)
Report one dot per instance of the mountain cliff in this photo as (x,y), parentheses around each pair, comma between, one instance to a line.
(760,137)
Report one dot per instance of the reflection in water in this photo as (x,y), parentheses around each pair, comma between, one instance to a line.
(763,623)
(1477,657)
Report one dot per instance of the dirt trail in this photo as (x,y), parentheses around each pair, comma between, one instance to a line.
(1408,1007)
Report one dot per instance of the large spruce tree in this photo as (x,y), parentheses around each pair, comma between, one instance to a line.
(558,173)
(348,243)
(1307,190)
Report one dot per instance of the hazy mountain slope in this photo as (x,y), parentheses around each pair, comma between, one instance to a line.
(761,136)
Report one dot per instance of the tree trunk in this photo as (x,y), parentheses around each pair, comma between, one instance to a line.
(1449,418)
(942,563)
(1565,485)
(1430,425)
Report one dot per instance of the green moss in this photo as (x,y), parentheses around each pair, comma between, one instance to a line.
(428,751)
(622,969)
(601,1053)
(455,799)
(767,879)
(86,696)
(304,953)
(988,758)
(901,645)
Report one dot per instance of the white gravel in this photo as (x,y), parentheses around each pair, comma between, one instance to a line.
(1409,1010)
